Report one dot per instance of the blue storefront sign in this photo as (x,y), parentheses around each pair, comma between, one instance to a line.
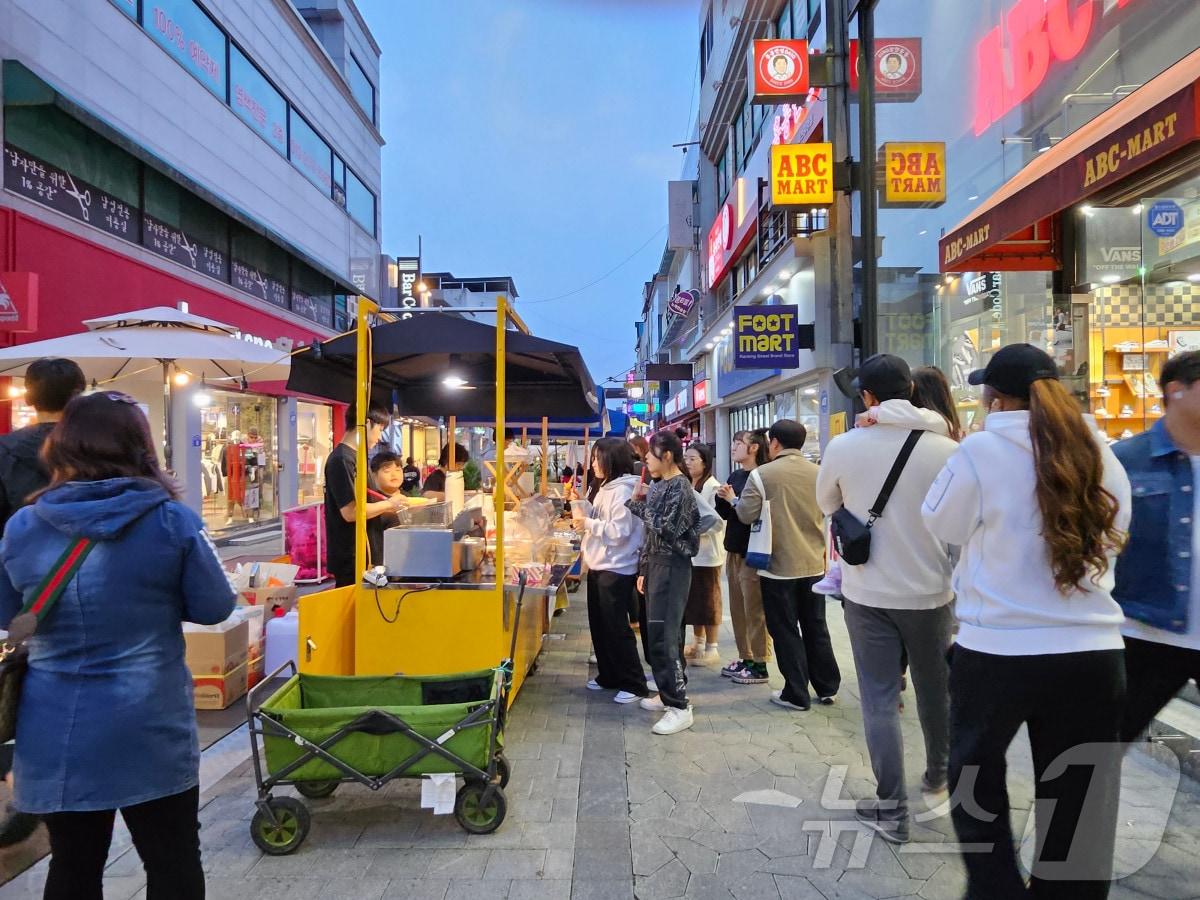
(730,380)
(1165,218)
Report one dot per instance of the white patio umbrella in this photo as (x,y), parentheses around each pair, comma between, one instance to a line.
(147,344)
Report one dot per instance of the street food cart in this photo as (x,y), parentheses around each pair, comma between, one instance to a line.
(439,363)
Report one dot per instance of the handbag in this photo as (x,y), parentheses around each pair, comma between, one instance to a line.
(852,538)
(758,550)
(14,654)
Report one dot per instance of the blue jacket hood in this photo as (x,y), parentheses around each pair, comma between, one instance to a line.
(99,510)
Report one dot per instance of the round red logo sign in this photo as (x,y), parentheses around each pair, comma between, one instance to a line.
(780,68)
(895,66)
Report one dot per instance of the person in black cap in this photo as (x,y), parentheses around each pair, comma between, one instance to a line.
(1040,506)
(898,601)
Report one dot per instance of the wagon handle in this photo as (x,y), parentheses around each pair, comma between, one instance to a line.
(522,578)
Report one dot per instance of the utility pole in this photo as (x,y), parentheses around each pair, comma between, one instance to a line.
(837,111)
(869,311)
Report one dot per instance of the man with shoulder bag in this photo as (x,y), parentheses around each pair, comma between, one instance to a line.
(895,579)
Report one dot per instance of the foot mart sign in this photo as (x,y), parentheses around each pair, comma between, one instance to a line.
(769,337)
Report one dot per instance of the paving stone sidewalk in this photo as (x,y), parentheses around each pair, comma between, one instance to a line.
(754,803)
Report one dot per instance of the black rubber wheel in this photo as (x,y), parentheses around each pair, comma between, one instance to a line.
(503,769)
(474,814)
(287,832)
(317,790)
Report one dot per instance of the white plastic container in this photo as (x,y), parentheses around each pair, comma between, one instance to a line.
(283,640)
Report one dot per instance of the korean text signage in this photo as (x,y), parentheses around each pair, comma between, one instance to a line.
(768,337)
(58,189)
(700,394)
(1039,33)
(802,175)
(257,103)
(173,243)
(188,34)
(897,68)
(914,174)
(682,302)
(780,70)
(680,403)
(796,123)
(18,301)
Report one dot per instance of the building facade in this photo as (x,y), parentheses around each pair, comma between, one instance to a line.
(215,153)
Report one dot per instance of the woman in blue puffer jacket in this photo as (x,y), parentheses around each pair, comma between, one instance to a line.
(105,721)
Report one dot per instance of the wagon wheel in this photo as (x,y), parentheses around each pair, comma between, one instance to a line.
(317,790)
(287,832)
(503,769)
(478,815)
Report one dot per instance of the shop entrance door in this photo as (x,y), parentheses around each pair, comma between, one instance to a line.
(239,460)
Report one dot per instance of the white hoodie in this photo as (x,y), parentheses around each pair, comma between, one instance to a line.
(712,542)
(985,501)
(612,536)
(908,568)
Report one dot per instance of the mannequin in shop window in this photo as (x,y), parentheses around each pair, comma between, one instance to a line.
(242,466)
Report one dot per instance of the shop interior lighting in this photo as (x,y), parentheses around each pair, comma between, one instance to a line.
(810,392)
(454,382)
(14,391)
(1110,279)
(1086,210)
(182,379)
(202,398)
(1195,276)
(1136,209)
(709,345)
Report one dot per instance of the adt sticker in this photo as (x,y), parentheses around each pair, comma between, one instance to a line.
(824,402)
(1165,218)
(196,442)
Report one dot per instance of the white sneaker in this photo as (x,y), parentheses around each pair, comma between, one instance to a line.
(593,686)
(592,659)
(652,704)
(673,721)
(777,699)
(625,697)
(651,684)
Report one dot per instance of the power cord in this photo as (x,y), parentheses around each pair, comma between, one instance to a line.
(396,615)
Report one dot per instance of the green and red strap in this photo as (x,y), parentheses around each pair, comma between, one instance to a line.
(58,578)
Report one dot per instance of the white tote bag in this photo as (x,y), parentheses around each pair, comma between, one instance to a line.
(758,552)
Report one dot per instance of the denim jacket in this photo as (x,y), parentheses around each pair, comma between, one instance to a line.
(1154,572)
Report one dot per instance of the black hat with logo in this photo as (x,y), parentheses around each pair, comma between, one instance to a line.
(1014,369)
(884,375)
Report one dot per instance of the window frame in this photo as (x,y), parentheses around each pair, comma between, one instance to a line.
(373,112)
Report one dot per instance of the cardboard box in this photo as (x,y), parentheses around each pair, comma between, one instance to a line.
(269,598)
(219,691)
(255,670)
(216,649)
(255,588)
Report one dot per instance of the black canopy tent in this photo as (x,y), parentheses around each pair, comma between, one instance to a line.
(412,359)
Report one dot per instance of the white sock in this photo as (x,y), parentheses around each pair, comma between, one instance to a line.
(711,648)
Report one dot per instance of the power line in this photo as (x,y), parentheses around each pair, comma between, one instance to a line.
(611,271)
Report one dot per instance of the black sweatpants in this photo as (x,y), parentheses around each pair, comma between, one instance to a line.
(165,832)
(1071,704)
(803,649)
(618,665)
(668,580)
(1155,673)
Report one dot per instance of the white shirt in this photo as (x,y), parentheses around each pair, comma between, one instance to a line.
(1190,639)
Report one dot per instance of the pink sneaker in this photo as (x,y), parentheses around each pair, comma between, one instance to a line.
(831,584)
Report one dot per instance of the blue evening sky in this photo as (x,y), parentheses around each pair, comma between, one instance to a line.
(532,138)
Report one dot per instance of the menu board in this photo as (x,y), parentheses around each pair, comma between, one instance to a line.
(53,187)
(252,281)
(318,309)
(168,241)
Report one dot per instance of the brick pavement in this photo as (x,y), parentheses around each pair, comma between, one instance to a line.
(601,809)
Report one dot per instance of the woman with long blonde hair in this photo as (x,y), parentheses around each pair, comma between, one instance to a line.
(1040,506)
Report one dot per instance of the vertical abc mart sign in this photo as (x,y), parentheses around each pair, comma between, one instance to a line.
(802,175)
(1039,33)
(914,173)
(779,70)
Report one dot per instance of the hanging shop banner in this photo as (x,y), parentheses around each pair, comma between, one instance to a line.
(779,70)
(700,394)
(802,175)
(173,243)
(769,337)
(681,302)
(252,281)
(897,67)
(914,174)
(18,302)
(58,189)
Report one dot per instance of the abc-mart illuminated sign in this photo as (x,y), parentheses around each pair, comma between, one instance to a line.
(802,174)
(914,173)
(1039,34)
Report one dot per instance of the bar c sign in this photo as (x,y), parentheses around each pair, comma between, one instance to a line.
(802,175)
(779,71)
(914,174)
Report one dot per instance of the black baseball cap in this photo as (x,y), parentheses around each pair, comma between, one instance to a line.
(884,375)
(1014,369)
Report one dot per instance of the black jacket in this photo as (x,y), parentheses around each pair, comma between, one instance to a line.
(737,534)
(21,472)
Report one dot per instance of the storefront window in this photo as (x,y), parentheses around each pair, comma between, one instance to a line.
(752,417)
(238,459)
(314,440)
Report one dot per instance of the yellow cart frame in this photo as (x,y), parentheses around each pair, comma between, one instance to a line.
(422,629)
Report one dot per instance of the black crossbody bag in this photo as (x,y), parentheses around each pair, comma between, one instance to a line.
(851,538)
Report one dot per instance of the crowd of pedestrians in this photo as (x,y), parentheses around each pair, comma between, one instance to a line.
(1024,575)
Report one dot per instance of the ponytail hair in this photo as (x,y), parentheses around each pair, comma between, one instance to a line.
(1078,513)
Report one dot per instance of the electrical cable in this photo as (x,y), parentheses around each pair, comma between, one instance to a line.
(590,284)
(396,615)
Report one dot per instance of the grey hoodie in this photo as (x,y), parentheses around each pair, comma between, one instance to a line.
(612,536)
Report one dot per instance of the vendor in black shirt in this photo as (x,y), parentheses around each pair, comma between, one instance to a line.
(412,478)
(435,485)
(340,507)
